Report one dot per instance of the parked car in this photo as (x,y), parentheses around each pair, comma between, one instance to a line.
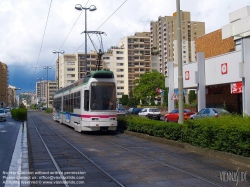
(152,113)
(174,115)
(210,112)
(134,111)
(2,115)
(7,109)
(121,111)
(42,108)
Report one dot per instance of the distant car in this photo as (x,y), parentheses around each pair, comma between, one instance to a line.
(174,115)
(2,115)
(121,111)
(7,109)
(152,113)
(210,112)
(134,111)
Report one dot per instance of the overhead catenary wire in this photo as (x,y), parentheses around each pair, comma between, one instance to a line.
(42,40)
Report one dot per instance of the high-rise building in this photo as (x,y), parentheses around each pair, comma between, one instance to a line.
(130,59)
(3,84)
(11,95)
(115,60)
(163,39)
(42,91)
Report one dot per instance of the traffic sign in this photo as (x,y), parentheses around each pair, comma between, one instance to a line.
(174,97)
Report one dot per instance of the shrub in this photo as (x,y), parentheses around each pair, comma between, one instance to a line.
(226,133)
(19,114)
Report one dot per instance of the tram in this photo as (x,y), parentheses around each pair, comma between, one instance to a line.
(88,104)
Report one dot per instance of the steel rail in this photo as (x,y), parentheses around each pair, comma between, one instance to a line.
(107,174)
(51,156)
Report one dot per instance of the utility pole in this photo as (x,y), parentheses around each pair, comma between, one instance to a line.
(180,73)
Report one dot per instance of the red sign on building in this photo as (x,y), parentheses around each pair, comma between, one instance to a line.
(186,75)
(224,68)
(236,87)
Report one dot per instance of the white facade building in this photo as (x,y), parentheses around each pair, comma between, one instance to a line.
(225,70)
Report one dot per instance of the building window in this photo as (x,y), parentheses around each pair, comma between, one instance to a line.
(119,52)
(119,76)
(70,63)
(119,58)
(71,69)
(106,58)
(120,70)
(70,75)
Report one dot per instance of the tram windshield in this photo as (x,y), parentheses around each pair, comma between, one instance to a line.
(103,96)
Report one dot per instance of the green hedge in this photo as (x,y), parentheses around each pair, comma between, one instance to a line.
(19,114)
(228,133)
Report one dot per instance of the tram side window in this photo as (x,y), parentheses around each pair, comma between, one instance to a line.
(86,100)
(57,103)
(71,102)
(64,103)
(77,100)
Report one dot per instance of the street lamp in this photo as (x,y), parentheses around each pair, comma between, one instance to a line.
(80,8)
(17,92)
(58,52)
(47,67)
(40,89)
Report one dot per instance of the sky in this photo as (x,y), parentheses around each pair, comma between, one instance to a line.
(31,29)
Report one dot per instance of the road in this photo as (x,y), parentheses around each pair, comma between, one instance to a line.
(9,130)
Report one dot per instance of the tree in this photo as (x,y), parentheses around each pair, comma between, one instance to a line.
(147,84)
(192,96)
(132,102)
(124,100)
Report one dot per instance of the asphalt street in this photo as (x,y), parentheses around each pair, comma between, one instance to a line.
(8,136)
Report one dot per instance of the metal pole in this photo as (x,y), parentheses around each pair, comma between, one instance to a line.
(47,87)
(58,71)
(180,73)
(85,41)
(40,93)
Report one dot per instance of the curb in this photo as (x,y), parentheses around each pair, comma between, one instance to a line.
(235,159)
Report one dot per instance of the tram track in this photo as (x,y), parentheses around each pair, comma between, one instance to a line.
(129,148)
(35,122)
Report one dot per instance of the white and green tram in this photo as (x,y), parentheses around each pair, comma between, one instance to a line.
(88,104)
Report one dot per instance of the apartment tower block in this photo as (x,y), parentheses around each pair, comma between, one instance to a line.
(163,39)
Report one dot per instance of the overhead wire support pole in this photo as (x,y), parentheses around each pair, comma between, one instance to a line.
(180,73)
(80,8)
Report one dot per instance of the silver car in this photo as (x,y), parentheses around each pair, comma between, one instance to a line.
(210,112)
(152,113)
(2,115)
